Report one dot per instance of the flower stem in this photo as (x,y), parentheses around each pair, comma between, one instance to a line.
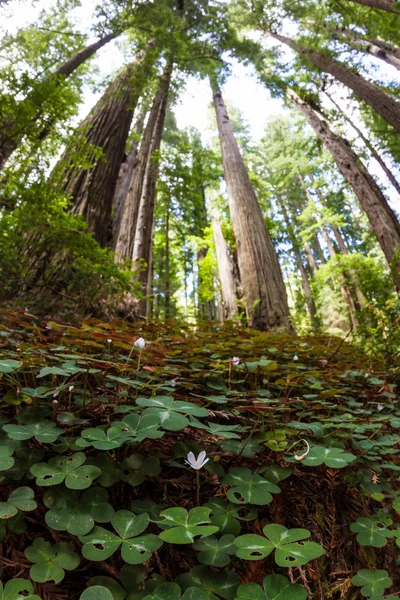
(198,487)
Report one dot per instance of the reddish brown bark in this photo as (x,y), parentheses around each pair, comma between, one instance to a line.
(12,132)
(260,273)
(373,202)
(380,101)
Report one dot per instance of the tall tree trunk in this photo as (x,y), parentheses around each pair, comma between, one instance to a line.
(260,273)
(150,278)
(12,131)
(143,234)
(312,265)
(226,272)
(125,238)
(106,128)
(381,50)
(380,101)
(387,5)
(312,311)
(373,202)
(125,176)
(167,274)
(368,144)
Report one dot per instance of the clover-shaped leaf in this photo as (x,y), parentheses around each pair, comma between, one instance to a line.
(371,533)
(45,432)
(74,513)
(147,506)
(172,591)
(25,458)
(116,589)
(114,437)
(20,499)
(276,587)
(8,365)
(226,431)
(141,426)
(334,458)
(183,526)
(246,448)
(68,468)
(97,592)
(214,551)
(373,583)
(136,467)
(100,543)
(223,584)
(170,411)
(110,469)
(6,458)
(288,551)
(226,516)
(249,488)
(13,590)
(51,561)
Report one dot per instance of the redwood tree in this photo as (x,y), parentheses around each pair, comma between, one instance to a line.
(260,273)
(106,128)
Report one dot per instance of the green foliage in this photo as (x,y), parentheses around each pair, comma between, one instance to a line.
(275,587)
(50,562)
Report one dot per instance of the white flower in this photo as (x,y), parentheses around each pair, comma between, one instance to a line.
(380,407)
(295,357)
(55,394)
(109,340)
(197,463)
(302,456)
(235,361)
(55,401)
(140,343)
(71,387)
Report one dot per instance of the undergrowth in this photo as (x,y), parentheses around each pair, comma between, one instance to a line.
(102,500)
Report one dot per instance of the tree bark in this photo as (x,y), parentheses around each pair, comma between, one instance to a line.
(226,272)
(125,177)
(260,273)
(167,272)
(368,144)
(373,202)
(125,238)
(143,234)
(13,131)
(380,101)
(387,5)
(312,310)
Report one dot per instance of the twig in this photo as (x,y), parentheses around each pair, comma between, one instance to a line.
(340,345)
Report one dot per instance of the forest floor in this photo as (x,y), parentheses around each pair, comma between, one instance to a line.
(134,415)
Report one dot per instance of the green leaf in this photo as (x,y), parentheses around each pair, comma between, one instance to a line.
(68,468)
(136,467)
(371,533)
(245,448)
(276,587)
(334,458)
(117,591)
(45,432)
(223,584)
(51,561)
(169,411)
(6,458)
(14,588)
(100,544)
(184,526)
(97,592)
(20,499)
(214,551)
(249,488)
(372,583)
(74,513)
(8,365)
(288,552)
(166,591)
(226,516)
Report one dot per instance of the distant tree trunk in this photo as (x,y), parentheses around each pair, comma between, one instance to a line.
(312,311)
(388,48)
(125,177)
(387,5)
(380,215)
(106,128)
(12,131)
(125,238)
(380,101)
(368,144)
(167,278)
(312,265)
(377,48)
(143,234)
(260,273)
(150,278)
(226,272)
